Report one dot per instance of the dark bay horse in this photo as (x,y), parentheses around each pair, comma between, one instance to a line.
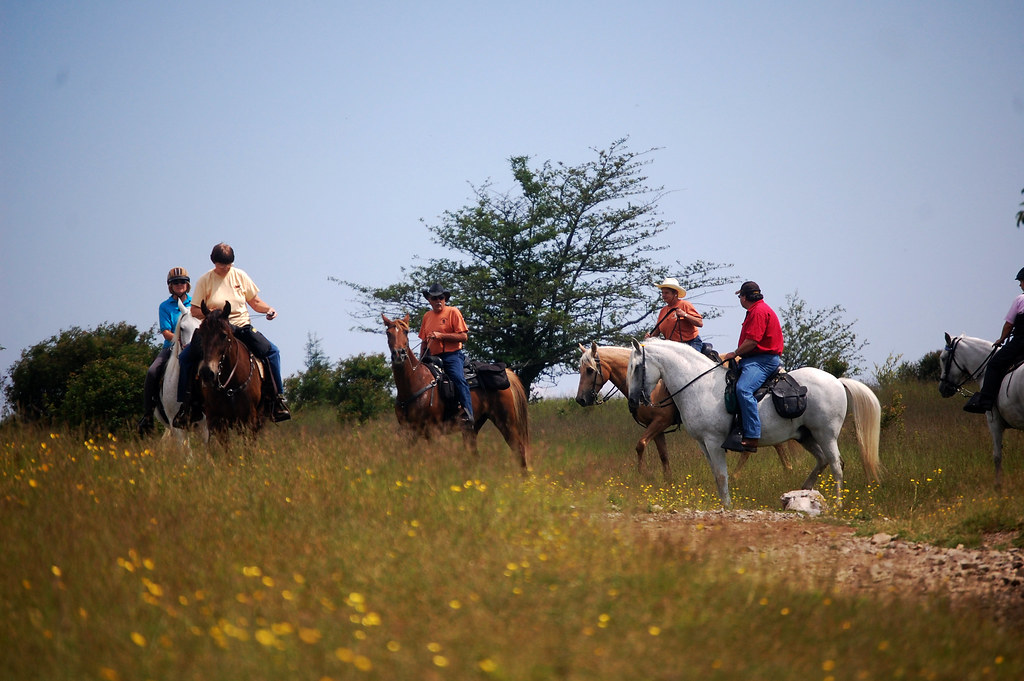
(420,406)
(601,364)
(230,377)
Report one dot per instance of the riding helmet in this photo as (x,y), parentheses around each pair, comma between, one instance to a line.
(1020,275)
(178,274)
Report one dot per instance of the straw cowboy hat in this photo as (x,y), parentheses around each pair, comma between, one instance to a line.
(672,283)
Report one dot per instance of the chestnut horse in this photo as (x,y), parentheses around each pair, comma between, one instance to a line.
(599,365)
(420,407)
(230,377)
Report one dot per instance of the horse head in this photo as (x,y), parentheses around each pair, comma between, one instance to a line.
(963,359)
(592,376)
(397,331)
(216,337)
(642,377)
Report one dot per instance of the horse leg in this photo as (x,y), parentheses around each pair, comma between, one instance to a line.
(666,469)
(715,456)
(742,462)
(995,428)
(782,449)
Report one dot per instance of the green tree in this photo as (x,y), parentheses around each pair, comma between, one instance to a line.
(819,338)
(82,377)
(565,257)
(364,384)
(317,384)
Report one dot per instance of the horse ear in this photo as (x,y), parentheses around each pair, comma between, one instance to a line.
(227,309)
(636,346)
(949,341)
(407,319)
(387,322)
(206,310)
(593,347)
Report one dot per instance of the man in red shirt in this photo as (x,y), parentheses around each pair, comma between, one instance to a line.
(443,332)
(760,349)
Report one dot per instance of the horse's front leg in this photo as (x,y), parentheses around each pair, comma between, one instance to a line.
(996,429)
(715,456)
(666,468)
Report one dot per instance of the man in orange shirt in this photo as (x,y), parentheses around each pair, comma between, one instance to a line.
(443,332)
(678,320)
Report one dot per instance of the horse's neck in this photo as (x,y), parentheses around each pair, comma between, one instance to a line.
(410,376)
(679,368)
(978,352)
(615,363)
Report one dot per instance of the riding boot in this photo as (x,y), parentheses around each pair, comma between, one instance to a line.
(281,412)
(749,444)
(978,404)
(146,424)
(466,420)
(182,418)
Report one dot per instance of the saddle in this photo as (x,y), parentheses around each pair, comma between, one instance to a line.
(489,376)
(788,396)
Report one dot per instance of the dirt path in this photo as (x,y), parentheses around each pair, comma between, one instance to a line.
(984,579)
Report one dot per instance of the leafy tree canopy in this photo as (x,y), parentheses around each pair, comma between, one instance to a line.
(567,256)
(819,338)
(81,377)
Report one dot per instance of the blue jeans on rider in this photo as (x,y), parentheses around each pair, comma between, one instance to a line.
(753,372)
(454,367)
(192,353)
(696,343)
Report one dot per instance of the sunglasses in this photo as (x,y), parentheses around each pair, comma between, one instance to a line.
(436,297)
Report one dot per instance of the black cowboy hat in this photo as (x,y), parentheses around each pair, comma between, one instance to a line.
(436,290)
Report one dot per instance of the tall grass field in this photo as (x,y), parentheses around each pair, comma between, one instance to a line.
(326,551)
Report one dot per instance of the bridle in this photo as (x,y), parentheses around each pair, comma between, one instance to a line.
(599,380)
(223,386)
(399,356)
(946,386)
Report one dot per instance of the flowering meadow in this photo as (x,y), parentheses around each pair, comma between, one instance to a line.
(326,552)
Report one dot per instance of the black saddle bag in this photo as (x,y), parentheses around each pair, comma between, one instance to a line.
(789,397)
(487,375)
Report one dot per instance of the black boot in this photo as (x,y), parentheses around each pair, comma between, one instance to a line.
(978,404)
(146,424)
(281,412)
(182,418)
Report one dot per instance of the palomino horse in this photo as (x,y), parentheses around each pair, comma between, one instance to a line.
(420,407)
(230,377)
(598,365)
(697,385)
(183,330)
(964,359)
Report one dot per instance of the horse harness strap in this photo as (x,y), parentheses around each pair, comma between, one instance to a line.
(230,392)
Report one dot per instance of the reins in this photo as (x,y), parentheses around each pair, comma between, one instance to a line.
(668,400)
(223,386)
(969,375)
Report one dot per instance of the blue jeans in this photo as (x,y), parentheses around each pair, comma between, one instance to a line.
(455,368)
(696,343)
(753,372)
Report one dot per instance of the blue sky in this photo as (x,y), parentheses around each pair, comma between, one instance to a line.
(865,154)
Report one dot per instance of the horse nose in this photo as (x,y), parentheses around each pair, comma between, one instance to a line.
(205,374)
(580,400)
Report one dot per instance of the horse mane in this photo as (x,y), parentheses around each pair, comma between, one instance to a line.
(402,324)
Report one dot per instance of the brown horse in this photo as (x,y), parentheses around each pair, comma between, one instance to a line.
(598,365)
(420,406)
(230,377)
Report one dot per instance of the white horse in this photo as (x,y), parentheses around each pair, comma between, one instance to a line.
(964,359)
(697,385)
(183,330)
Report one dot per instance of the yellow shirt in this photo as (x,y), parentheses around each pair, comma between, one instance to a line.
(236,287)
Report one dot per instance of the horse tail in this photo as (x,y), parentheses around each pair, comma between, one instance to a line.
(520,404)
(867,415)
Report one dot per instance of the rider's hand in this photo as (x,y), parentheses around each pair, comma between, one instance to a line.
(271,313)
